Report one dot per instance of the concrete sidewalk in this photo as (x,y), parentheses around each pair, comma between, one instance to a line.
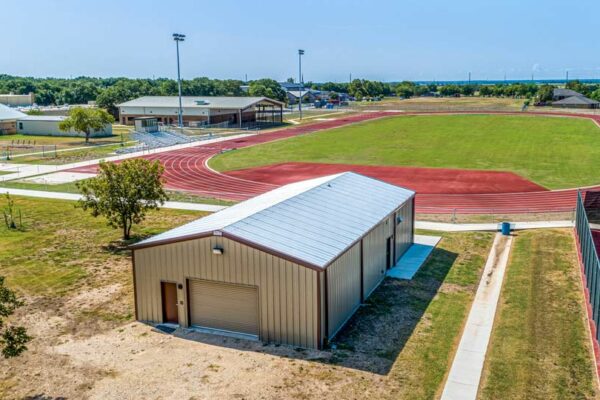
(465,372)
(414,258)
(446,227)
(177,205)
(426,225)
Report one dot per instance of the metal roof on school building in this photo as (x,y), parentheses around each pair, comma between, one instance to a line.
(238,103)
(7,113)
(312,221)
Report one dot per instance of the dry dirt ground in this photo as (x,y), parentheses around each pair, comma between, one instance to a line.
(69,360)
(399,344)
(88,354)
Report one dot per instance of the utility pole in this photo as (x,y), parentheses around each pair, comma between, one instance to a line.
(300,54)
(469,78)
(179,38)
(567,80)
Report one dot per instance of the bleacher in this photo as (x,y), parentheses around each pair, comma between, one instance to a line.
(163,138)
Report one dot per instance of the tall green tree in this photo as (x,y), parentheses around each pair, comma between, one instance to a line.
(125,192)
(86,120)
(267,88)
(13,339)
(545,93)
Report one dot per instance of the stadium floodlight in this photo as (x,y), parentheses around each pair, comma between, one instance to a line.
(300,80)
(178,37)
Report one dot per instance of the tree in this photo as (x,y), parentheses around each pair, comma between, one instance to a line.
(13,339)
(86,120)
(405,91)
(267,88)
(123,193)
(545,93)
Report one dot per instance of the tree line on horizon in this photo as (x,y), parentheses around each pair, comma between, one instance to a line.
(108,92)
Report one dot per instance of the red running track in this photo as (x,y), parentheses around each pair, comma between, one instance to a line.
(186,170)
(421,180)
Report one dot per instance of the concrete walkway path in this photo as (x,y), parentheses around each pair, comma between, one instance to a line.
(178,205)
(410,262)
(446,227)
(23,171)
(465,372)
(432,226)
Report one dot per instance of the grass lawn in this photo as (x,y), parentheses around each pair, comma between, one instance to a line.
(540,347)
(71,156)
(68,187)
(62,246)
(410,329)
(71,187)
(553,152)
(76,277)
(66,142)
(443,104)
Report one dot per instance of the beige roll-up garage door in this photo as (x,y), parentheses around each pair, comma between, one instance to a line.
(224,306)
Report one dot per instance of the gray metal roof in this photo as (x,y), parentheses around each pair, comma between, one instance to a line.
(7,113)
(312,221)
(576,100)
(558,92)
(197,102)
(49,118)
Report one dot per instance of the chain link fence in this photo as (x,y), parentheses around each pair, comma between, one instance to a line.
(16,150)
(588,250)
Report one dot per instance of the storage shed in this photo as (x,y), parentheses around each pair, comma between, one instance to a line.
(289,266)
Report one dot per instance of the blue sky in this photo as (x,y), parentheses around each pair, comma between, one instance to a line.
(384,40)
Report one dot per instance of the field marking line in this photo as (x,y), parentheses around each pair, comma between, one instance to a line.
(467,367)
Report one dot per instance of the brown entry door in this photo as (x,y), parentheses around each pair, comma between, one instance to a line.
(169,302)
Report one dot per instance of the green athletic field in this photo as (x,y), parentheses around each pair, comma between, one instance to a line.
(555,152)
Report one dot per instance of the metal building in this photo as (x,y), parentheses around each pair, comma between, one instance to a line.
(203,110)
(48,125)
(289,266)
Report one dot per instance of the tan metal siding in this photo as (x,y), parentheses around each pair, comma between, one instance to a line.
(343,288)
(224,306)
(282,297)
(374,261)
(404,230)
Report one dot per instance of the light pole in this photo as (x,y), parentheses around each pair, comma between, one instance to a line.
(300,54)
(179,38)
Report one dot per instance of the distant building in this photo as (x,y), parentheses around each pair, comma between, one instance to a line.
(8,119)
(307,96)
(13,121)
(288,86)
(567,98)
(203,110)
(326,95)
(576,102)
(559,94)
(48,125)
(17,100)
